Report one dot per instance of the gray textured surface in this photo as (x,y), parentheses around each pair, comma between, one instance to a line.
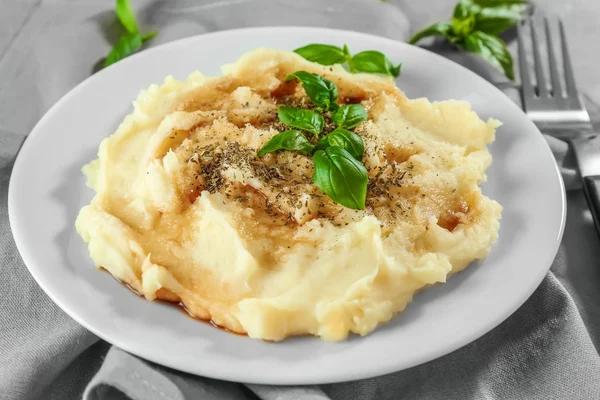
(46,47)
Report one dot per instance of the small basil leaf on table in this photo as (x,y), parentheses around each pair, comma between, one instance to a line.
(341,177)
(439,29)
(323,54)
(475,27)
(288,140)
(301,118)
(345,139)
(127,44)
(349,116)
(498,18)
(126,16)
(463,20)
(492,49)
(374,62)
(493,26)
(321,91)
(149,35)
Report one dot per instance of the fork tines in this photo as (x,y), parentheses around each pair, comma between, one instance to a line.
(543,88)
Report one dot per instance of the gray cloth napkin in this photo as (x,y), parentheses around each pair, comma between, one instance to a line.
(543,351)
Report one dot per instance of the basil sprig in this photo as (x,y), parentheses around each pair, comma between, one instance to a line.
(345,139)
(338,170)
(324,54)
(341,177)
(301,118)
(374,62)
(349,116)
(496,16)
(370,61)
(126,16)
(475,27)
(288,140)
(492,49)
(130,41)
(321,91)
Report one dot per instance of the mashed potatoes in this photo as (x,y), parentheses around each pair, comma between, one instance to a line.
(184,211)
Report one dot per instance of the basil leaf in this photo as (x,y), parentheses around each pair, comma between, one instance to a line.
(439,29)
(341,177)
(463,20)
(127,44)
(374,62)
(345,139)
(324,54)
(494,26)
(301,118)
(495,16)
(346,52)
(321,91)
(349,115)
(288,140)
(126,16)
(492,49)
(149,36)
(499,19)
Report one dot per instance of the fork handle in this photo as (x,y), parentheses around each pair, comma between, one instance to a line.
(591,186)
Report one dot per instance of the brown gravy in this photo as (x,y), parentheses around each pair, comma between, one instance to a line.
(177,304)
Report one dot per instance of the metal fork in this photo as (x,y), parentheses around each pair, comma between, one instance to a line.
(556,106)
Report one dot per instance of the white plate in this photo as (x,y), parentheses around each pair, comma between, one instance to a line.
(47,190)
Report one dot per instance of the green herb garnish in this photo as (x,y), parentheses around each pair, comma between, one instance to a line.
(374,62)
(349,116)
(370,61)
(492,49)
(338,170)
(341,177)
(321,91)
(345,139)
(496,16)
(126,16)
(301,118)
(288,140)
(323,54)
(130,41)
(475,27)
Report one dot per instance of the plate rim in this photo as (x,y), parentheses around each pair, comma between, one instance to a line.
(250,378)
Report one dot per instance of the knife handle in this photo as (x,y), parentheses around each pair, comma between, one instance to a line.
(591,186)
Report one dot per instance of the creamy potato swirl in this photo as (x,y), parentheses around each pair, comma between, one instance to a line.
(185,211)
